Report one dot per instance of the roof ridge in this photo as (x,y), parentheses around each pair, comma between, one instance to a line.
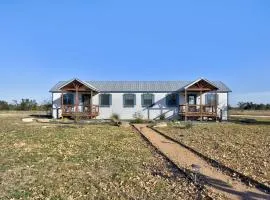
(140,85)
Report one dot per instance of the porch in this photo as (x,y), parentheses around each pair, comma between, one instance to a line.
(197,104)
(82,111)
(77,100)
(198,112)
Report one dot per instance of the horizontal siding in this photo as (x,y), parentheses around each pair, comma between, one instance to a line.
(117,107)
(159,108)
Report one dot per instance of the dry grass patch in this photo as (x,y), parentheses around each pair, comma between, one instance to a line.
(83,162)
(250,112)
(245,148)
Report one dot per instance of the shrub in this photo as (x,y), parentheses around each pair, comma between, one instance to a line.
(115,117)
(188,124)
(138,121)
(181,125)
(77,117)
(162,117)
(138,118)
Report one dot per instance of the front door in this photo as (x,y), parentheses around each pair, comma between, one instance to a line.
(85,102)
(192,99)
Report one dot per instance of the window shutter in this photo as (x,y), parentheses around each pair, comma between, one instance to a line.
(142,100)
(72,98)
(134,96)
(167,99)
(110,96)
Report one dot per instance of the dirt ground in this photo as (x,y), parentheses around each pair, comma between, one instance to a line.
(69,161)
(212,178)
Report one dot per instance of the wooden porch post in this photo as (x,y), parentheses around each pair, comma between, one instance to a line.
(62,99)
(77,99)
(186,102)
(201,104)
(91,103)
(62,104)
(216,103)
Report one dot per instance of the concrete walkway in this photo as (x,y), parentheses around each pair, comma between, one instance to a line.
(212,178)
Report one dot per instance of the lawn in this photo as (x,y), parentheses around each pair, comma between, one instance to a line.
(243,147)
(41,161)
(250,112)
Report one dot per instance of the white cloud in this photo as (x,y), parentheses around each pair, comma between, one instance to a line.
(255,97)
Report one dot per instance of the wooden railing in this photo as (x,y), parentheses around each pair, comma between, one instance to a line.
(198,109)
(91,110)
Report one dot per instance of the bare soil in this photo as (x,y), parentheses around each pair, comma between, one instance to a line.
(212,178)
(55,161)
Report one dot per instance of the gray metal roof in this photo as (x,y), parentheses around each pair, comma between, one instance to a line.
(141,86)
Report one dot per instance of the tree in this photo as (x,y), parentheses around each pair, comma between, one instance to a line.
(45,106)
(27,104)
(4,105)
(253,106)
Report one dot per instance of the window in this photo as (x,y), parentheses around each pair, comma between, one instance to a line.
(105,100)
(210,99)
(172,100)
(147,100)
(192,99)
(129,100)
(68,99)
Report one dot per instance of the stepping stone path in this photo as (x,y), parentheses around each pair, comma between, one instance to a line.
(27,120)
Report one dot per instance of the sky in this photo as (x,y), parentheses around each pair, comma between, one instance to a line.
(43,42)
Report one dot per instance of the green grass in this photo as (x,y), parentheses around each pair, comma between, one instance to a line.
(243,147)
(41,161)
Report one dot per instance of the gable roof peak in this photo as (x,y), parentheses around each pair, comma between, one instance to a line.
(82,82)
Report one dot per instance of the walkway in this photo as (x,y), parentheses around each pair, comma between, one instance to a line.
(213,179)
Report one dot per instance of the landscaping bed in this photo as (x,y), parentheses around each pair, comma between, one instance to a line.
(244,148)
(84,162)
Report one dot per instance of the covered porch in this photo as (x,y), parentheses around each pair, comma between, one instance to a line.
(77,100)
(200,101)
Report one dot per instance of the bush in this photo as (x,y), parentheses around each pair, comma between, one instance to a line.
(115,117)
(137,121)
(77,117)
(4,105)
(188,124)
(162,117)
(138,118)
(181,125)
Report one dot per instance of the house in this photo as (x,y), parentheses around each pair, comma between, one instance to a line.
(199,99)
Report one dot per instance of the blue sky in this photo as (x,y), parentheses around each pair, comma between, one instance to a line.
(42,42)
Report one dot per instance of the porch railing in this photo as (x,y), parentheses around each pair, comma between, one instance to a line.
(198,109)
(69,109)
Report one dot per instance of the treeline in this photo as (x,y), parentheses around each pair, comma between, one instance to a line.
(252,106)
(25,105)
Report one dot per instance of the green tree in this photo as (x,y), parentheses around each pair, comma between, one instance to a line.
(4,105)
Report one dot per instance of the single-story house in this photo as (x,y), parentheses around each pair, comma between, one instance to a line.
(199,99)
